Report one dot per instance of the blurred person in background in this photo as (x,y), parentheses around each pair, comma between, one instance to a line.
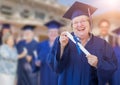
(47,75)
(8,60)
(6,28)
(104,27)
(25,75)
(116,77)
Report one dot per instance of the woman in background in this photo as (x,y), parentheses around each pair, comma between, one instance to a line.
(6,28)
(116,77)
(8,60)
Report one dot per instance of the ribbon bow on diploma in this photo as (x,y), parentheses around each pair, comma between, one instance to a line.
(79,44)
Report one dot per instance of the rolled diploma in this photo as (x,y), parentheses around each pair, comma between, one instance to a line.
(79,44)
(35,54)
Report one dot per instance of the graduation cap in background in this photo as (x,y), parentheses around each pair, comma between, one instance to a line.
(117,31)
(53,24)
(28,27)
(6,26)
(78,9)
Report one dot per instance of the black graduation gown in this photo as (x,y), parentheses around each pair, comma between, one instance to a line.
(74,69)
(23,73)
(47,75)
(116,77)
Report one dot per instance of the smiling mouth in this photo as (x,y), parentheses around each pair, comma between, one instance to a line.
(81,29)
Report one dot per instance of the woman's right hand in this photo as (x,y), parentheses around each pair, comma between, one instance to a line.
(63,39)
(38,63)
(29,58)
(23,54)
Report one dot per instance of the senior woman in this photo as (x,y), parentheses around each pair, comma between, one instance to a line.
(69,61)
(8,60)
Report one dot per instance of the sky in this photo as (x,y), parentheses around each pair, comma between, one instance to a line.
(102,5)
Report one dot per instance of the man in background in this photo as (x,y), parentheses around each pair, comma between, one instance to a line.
(25,75)
(47,75)
(104,27)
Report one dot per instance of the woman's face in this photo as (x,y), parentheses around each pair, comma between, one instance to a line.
(28,35)
(52,34)
(81,26)
(5,31)
(10,41)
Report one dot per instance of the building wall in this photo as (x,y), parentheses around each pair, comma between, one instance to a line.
(36,12)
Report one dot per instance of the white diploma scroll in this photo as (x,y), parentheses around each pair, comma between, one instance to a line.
(35,54)
(25,50)
(80,45)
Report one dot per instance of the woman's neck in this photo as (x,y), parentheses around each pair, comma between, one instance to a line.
(51,43)
(11,46)
(84,40)
(28,41)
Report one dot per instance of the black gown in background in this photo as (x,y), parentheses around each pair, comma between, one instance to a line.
(24,76)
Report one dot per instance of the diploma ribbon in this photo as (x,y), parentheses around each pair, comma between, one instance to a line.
(79,44)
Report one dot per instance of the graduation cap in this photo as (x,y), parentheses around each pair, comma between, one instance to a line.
(6,26)
(28,27)
(53,24)
(117,31)
(78,9)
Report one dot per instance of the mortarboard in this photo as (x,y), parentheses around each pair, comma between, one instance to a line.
(53,24)
(6,26)
(28,27)
(78,9)
(117,31)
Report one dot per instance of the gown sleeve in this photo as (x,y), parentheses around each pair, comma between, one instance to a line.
(107,64)
(57,64)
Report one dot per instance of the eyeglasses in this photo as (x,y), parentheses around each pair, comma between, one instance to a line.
(84,21)
(104,27)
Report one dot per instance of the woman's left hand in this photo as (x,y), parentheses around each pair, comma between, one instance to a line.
(92,60)
(29,58)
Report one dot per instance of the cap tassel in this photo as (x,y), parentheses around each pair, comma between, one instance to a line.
(91,23)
